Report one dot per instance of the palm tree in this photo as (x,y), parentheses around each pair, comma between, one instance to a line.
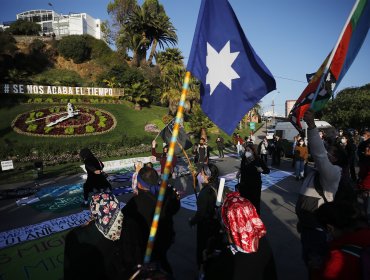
(142,27)
(172,77)
(163,33)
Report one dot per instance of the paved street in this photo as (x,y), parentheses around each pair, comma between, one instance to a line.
(277,212)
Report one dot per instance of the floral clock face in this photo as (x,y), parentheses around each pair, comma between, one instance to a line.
(57,121)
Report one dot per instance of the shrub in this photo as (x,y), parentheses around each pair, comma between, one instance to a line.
(39,114)
(24,27)
(101,124)
(89,129)
(69,130)
(36,46)
(74,47)
(37,100)
(32,127)
(47,129)
(59,77)
(49,100)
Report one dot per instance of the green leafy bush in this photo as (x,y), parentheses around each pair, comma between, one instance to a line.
(101,124)
(57,77)
(36,46)
(39,114)
(47,129)
(74,47)
(69,130)
(32,127)
(89,129)
(37,100)
(24,27)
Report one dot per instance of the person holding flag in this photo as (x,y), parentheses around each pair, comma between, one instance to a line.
(233,79)
(162,157)
(322,85)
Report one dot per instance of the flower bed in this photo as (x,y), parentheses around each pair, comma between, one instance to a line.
(89,121)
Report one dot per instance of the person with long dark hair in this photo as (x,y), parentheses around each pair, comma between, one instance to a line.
(96,177)
(251,168)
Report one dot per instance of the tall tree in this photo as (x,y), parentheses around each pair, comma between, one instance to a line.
(349,109)
(172,77)
(141,28)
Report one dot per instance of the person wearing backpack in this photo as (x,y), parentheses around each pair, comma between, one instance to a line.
(329,163)
(349,246)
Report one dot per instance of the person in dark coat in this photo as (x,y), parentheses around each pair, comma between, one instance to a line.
(162,157)
(138,215)
(205,218)
(220,146)
(248,254)
(276,148)
(92,250)
(251,168)
(96,177)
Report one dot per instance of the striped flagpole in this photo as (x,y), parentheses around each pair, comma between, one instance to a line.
(162,190)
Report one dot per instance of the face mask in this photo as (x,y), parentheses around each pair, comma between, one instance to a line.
(248,154)
(200,178)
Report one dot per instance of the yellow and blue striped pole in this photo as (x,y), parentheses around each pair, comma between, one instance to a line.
(166,172)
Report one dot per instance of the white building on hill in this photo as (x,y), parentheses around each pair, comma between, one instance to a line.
(63,25)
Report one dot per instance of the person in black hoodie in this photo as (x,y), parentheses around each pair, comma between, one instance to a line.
(138,215)
(96,177)
(251,168)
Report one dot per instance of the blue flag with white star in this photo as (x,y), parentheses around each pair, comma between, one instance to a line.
(233,77)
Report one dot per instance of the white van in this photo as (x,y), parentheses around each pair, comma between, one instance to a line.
(285,130)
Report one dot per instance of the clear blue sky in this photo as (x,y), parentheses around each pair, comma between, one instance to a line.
(291,37)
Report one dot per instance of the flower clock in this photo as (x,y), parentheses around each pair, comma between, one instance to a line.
(61,121)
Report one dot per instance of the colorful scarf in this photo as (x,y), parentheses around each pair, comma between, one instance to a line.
(107,215)
(242,223)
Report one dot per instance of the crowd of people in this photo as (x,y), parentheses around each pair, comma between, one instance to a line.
(231,239)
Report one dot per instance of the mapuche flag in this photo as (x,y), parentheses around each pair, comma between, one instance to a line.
(182,137)
(233,78)
(327,78)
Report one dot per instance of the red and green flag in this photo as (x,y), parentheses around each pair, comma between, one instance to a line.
(324,83)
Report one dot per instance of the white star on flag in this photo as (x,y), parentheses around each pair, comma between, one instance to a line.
(219,67)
